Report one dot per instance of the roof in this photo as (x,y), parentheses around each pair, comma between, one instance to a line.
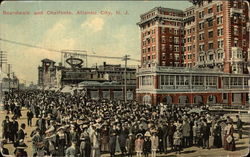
(47,60)
(163,9)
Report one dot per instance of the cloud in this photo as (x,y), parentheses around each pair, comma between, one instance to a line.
(95,24)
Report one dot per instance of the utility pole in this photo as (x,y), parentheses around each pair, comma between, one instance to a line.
(3,60)
(126,58)
(9,76)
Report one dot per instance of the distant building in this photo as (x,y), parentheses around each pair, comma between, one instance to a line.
(103,78)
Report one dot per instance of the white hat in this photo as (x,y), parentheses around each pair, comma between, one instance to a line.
(147,134)
(50,130)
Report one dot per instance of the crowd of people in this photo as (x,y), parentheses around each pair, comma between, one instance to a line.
(74,125)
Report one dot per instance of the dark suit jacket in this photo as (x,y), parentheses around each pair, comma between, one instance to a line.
(20,135)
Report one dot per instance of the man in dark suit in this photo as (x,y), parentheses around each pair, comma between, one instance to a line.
(14,129)
(6,128)
(20,133)
(41,124)
(29,117)
(205,130)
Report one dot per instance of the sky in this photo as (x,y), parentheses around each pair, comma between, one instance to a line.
(101,34)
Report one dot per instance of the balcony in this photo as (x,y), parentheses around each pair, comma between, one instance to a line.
(236,11)
(209,16)
(219,61)
(237,55)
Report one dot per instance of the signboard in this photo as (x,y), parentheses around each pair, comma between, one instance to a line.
(77,56)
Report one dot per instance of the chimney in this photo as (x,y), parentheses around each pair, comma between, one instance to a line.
(104,64)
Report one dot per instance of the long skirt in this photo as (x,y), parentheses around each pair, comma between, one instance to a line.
(217,141)
(229,146)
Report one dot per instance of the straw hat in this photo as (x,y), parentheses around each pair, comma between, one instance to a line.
(61,128)
(139,135)
(147,134)
(50,130)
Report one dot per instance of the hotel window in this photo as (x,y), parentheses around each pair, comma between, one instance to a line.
(184,41)
(220,31)
(236,42)
(201,36)
(163,55)
(244,31)
(163,47)
(201,47)
(219,20)
(149,49)
(210,34)
(198,80)
(171,47)
(220,43)
(211,57)
(236,31)
(170,39)
(202,58)
(148,40)
(163,63)
(235,19)
(153,31)
(175,31)
(235,4)
(210,23)
(245,81)
(201,14)
(153,40)
(153,48)
(183,48)
(239,54)
(171,80)
(148,32)
(211,80)
(153,56)
(176,56)
(179,80)
(201,25)
(163,39)
(219,7)
(176,48)
(176,40)
(244,43)
(243,18)
(210,45)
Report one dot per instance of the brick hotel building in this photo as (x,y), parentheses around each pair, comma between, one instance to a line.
(199,55)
